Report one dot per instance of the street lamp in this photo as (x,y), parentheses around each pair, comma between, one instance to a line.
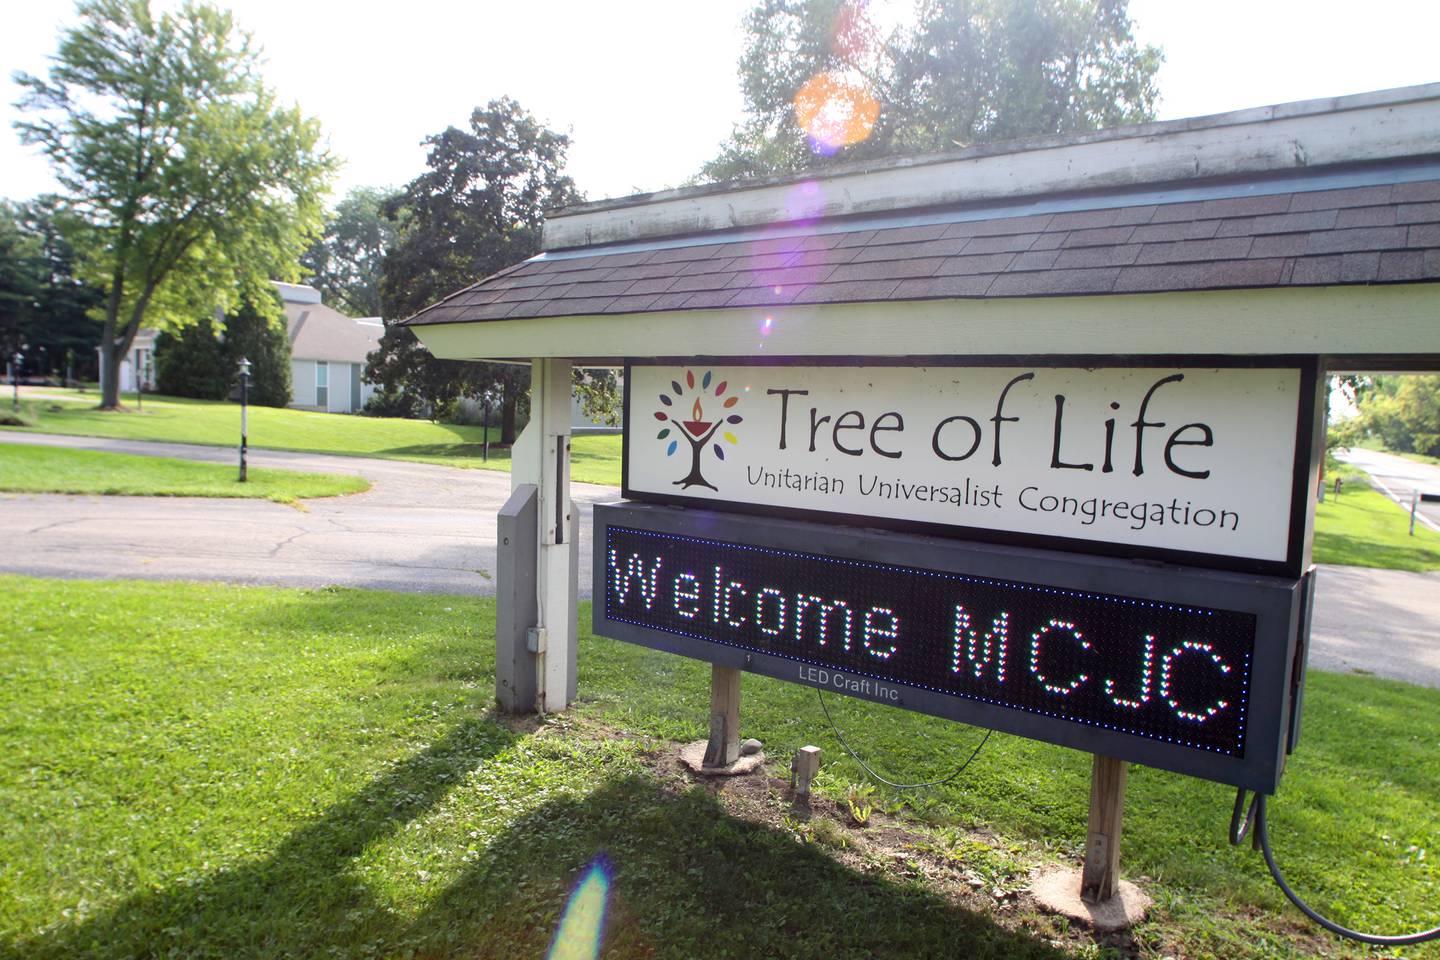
(15,380)
(244,412)
(485,399)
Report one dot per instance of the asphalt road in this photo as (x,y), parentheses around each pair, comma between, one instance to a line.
(425,528)
(1399,478)
(420,528)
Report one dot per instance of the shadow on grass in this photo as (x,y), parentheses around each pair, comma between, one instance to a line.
(297,901)
(465,449)
(689,881)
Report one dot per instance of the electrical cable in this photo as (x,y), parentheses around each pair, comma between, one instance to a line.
(1256,816)
(891,783)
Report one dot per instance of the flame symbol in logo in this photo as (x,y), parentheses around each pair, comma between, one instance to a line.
(697,431)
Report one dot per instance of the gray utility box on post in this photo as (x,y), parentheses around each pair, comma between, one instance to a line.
(516,610)
(519,647)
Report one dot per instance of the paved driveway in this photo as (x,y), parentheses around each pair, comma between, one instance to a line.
(420,527)
(432,529)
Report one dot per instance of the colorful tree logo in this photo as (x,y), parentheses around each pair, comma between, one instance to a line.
(697,431)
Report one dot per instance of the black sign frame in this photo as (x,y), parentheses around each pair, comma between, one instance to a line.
(1309,448)
(1279,606)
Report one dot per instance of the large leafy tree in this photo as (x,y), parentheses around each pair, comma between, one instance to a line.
(1403,412)
(344,264)
(960,72)
(477,209)
(195,187)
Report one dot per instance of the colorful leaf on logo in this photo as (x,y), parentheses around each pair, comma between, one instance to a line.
(734,418)
(720,390)
(730,437)
(663,434)
(660,415)
(670,451)
(665,400)
(705,384)
(731,402)
(690,379)
(675,385)
(719,452)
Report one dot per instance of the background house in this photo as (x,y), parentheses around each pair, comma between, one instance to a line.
(138,366)
(328,351)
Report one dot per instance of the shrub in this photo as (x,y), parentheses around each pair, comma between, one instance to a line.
(267,346)
(192,363)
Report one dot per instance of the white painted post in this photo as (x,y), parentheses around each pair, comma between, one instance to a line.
(541,456)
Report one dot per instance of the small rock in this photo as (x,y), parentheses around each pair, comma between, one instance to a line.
(751,746)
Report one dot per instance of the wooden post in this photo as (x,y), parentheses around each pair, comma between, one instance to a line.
(723,747)
(1100,877)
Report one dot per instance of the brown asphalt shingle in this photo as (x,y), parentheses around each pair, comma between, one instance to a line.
(1358,235)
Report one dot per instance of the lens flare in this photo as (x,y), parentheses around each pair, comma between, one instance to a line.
(582,925)
(835,111)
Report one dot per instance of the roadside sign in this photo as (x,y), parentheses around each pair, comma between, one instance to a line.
(1205,463)
(1186,670)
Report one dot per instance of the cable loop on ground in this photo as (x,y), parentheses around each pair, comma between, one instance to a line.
(891,783)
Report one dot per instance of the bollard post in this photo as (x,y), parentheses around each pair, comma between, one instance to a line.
(1414,508)
(803,770)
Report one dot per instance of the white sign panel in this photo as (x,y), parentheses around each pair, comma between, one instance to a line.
(1195,460)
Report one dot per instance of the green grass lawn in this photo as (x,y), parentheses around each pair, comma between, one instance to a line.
(594,459)
(34,469)
(213,771)
(1364,528)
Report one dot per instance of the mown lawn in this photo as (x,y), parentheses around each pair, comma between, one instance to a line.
(34,469)
(1364,528)
(214,771)
(595,459)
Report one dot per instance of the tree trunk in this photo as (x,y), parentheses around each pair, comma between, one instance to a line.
(695,477)
(507,418)
(109,374)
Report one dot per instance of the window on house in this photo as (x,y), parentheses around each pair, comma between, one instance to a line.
(322,384)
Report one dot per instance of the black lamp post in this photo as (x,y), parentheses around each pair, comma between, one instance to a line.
(15,380)
(244,412)
(485,420)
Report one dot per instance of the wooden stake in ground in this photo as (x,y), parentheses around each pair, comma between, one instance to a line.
(723,747)
(803,770)
(1100,877)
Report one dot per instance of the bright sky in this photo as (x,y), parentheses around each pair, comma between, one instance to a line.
(648,88)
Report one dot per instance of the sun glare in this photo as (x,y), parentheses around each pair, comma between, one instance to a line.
(835,111)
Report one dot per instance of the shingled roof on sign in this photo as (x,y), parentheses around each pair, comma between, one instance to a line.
(1331,193)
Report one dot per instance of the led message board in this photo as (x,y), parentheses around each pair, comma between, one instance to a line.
(1187,670)
(1198,462)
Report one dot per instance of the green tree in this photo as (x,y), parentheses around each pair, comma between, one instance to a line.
(190,361)
(194,187)
(478,209)
(251,334)
(1403,412)
(344,264)
(21,276)
(53,317)
(963,72)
